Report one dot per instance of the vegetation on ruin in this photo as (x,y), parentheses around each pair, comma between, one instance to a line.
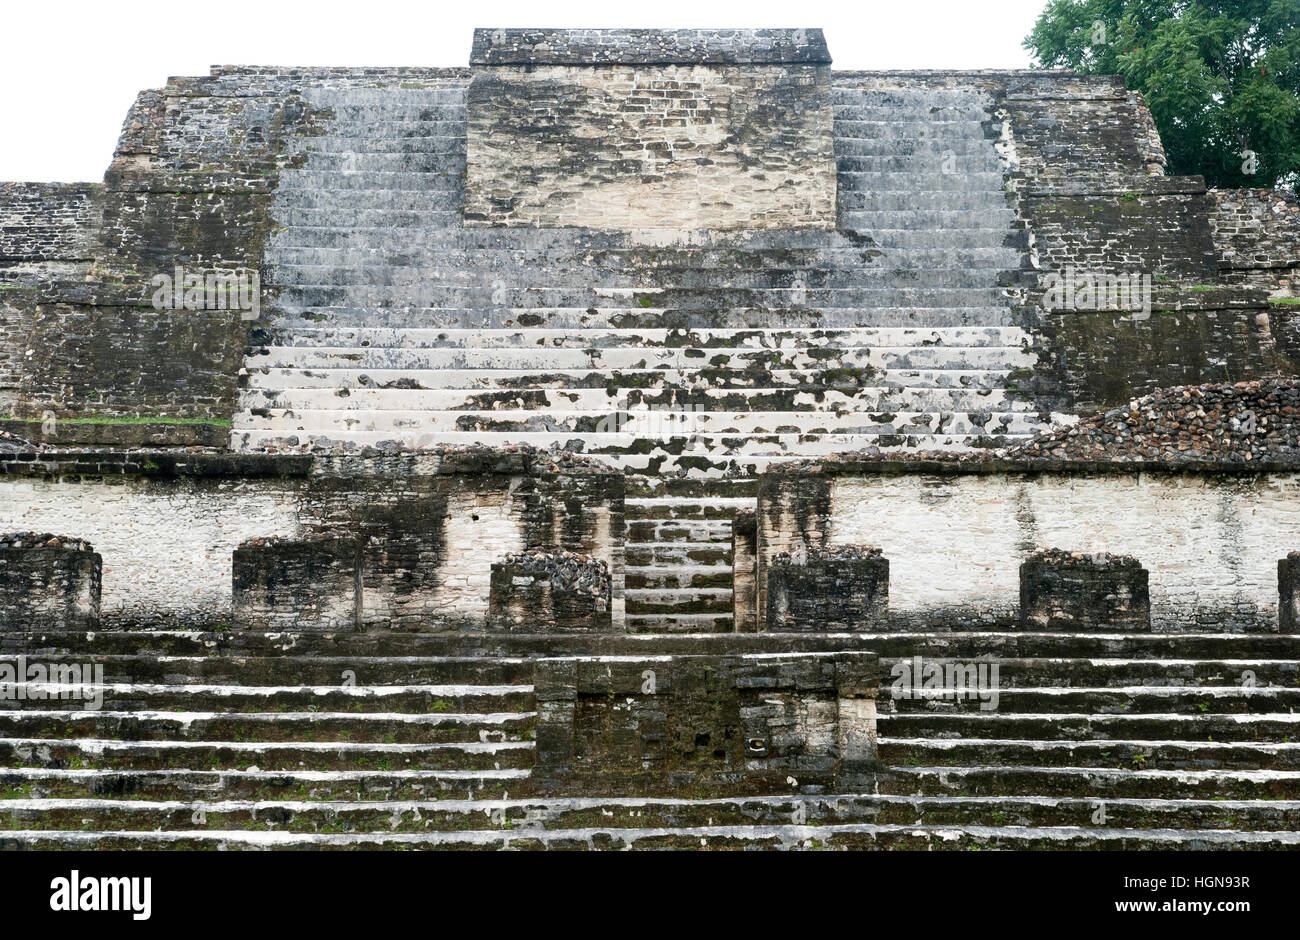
(1222,77)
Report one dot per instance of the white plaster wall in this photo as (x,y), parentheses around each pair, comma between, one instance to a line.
(476,536)
(166,547)
(1211,545)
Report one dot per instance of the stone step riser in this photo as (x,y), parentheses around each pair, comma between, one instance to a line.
(450,147)
(1143,699)
(1263,729)
(614,426)
(337,234)
(628,452)
(1094,673)
(437,197)
(449,815)
(286,314)
(683,359)
(809,260)
(164,755)
(215,724)
(851,153)
(1113,754)
(866,400)
(301,654)
(288,670)
(432,295)
(861,837)
(727,340)
(265,377)
(263,785)
(1089,783)
(326,698)
(290,275)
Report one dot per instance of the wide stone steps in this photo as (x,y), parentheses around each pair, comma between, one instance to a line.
(451,147)
(865,196)
(743,456)
(1121,672)
(458,700)
(1192,756)
(190,784)
(1270,728)
(506,678)
(675,298)
(431,269)
(616,426)
(611,261)
(604,315)
(1123,699)
(263,376)
(686,576)
(970,110)
(429,232)
(716,838)
(452,815)
(850,151)
(1112,753)
(297,755)
(682,358)
(602,401)
(127,721)
(1097,783)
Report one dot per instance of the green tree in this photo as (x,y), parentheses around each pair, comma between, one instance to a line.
(1222,79)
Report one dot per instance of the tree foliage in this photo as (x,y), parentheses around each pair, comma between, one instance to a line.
(1222,79)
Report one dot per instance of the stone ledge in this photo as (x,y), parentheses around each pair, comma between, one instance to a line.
(149,462)
(649,47)
(966,464)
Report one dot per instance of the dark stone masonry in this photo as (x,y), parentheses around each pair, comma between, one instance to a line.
(647,439)
(653,725)
(1074,591)
(302,584)
(550,592)
(835,590)
(1288,584)
(48,582)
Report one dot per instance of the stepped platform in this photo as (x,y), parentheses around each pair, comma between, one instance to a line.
(428,741)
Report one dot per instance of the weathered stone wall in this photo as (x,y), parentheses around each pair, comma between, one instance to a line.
(956,537)
(842,589)
(620,132)
(298,584)
(713,723)
(190,185)
(1257,237)
(744,563)
(1085,164)
(48,222)
(48,582)
(550,592)
(1084,593)
(1288,585)
(168,527)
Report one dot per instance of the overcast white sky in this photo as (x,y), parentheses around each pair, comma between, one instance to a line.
(70,70)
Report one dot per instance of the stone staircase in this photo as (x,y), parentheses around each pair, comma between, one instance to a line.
(256,741)
(692,360)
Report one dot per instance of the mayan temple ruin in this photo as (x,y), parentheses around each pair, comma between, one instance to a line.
(648,439)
